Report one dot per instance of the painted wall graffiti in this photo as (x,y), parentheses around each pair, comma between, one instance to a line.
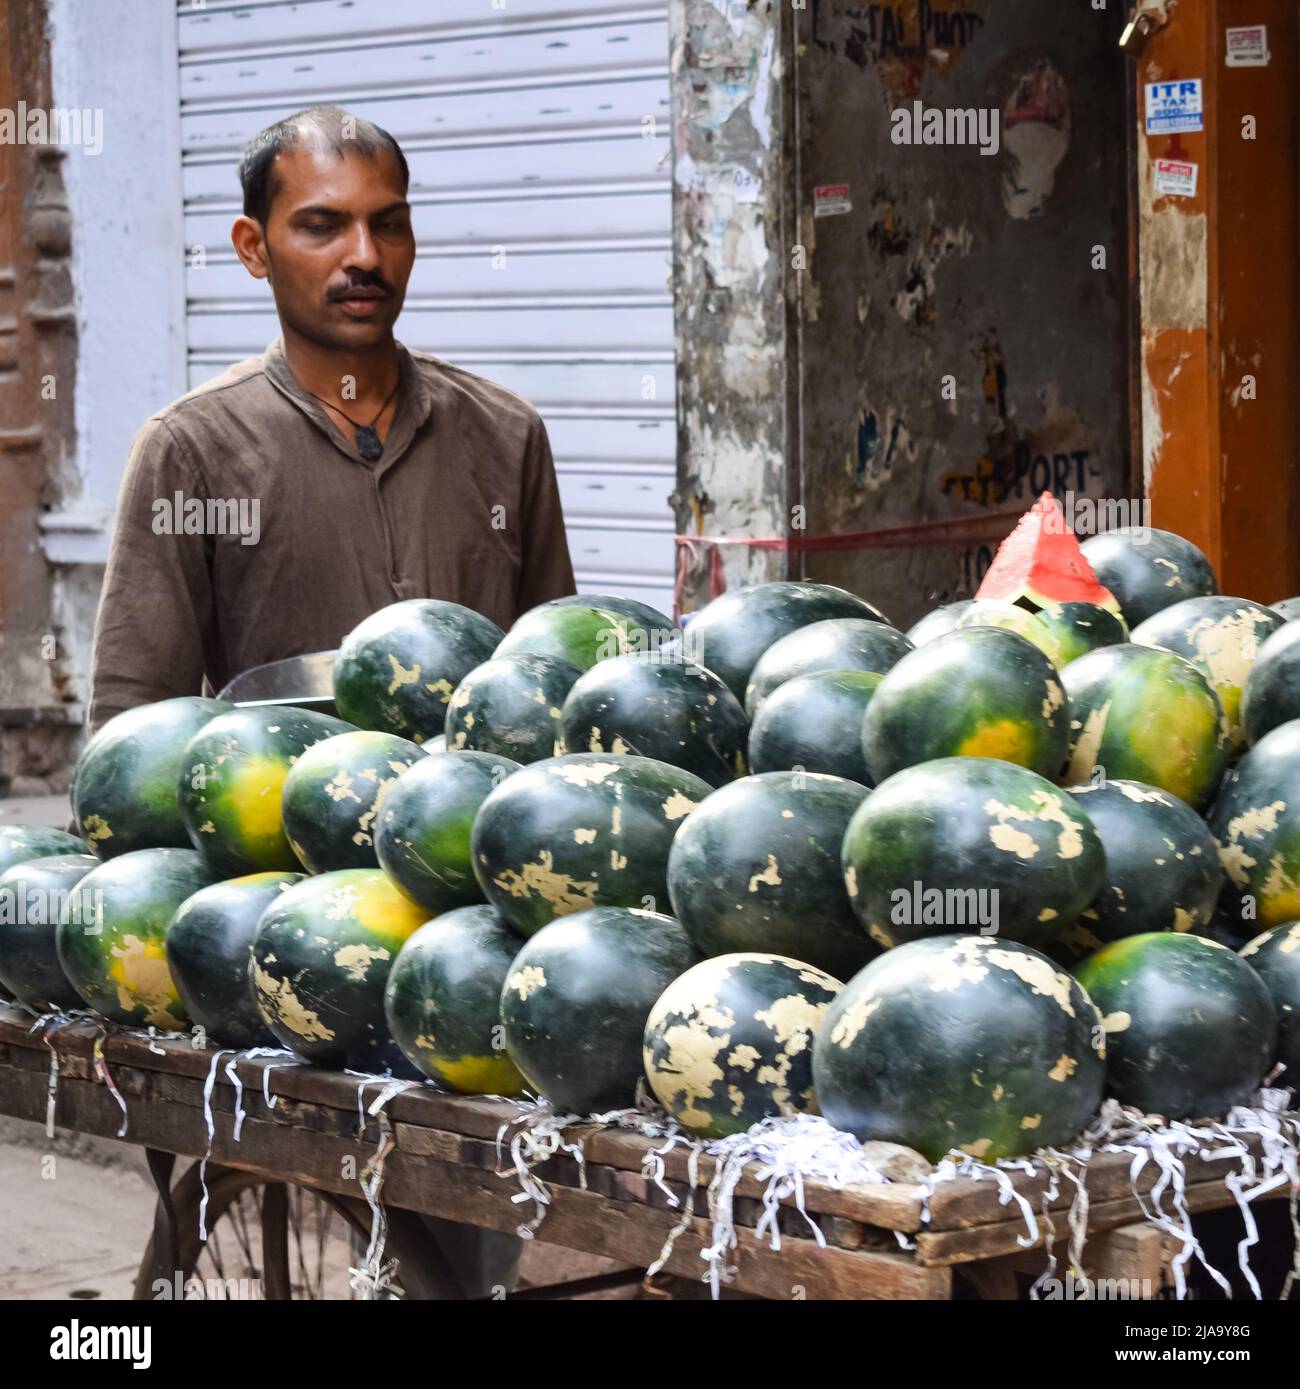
(899,40)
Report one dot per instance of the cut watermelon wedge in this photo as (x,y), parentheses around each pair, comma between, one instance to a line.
(1040,564)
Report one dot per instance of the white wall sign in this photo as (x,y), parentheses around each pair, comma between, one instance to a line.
(1174,107)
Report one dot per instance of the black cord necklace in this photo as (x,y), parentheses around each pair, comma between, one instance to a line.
(368,445)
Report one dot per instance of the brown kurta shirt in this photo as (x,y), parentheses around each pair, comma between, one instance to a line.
(463,505)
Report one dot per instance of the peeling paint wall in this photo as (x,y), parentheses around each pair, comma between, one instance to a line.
(728,88)
(960,351)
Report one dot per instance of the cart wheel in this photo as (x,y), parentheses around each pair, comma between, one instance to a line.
(276,1241)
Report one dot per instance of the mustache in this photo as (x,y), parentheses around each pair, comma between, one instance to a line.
(370,282)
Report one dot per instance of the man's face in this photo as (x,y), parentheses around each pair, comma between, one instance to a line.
(337,247)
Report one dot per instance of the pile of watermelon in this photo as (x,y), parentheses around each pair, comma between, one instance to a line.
(948,888)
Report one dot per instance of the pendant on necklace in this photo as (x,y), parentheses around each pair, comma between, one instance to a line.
(368,445)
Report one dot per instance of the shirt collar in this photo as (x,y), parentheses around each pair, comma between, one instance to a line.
(414,404)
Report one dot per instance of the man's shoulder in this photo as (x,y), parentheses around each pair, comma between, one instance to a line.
(477,392)
(234,389)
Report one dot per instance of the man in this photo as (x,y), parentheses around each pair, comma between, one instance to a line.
(356,473)
(266,513)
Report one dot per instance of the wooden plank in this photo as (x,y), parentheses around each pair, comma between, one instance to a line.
(945,1247)
(890,1206)
(967,1203)
(577,1219)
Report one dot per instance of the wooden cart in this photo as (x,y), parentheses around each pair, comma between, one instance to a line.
(442,1158)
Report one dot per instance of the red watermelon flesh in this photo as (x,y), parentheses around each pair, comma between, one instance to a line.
(1040,563)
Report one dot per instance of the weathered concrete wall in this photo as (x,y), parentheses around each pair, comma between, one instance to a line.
(731,148)
(955,341)
(37,382)
(964,339)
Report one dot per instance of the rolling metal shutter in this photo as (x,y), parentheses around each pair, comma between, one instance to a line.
(537,134)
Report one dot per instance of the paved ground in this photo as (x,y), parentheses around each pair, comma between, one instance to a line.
(75,1216)
(35,810)
(70,1225)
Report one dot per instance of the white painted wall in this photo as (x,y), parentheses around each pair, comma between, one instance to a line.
(127,221)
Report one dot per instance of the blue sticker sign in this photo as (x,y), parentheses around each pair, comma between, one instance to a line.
(1174,107)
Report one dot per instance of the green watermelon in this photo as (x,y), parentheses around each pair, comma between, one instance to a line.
(438,744)
(1272,693)
(1146,715)
(118,961)
(1256,820)
(756,868)
(1078,628)
(650,704)
(333,794)
(1221,637)
(124,794)
(1190,1027)
(1162,867)
(423,834)
(576,999)
(961,1042)
(232,783)
(939,622)
(18,843)
(728,635)
(1233,922)
(1041,564)
(815,722)
(320,961)
(1147,569)
(586,830)
(729,1043)
(1275,957)
(970,843)
(575,633)
(33,895)
(510,706)
(209,944)
(443,1001)
(659,626)
(1288,609)
(838,643)
(984,692)
(396,671)
(984,612)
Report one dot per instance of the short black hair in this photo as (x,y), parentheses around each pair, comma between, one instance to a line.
(328,127)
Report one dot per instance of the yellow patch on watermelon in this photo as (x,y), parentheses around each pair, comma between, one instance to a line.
(383,911)
(481,1075)
(253,791)
(139,970)
(1005,739)
(1175,734)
